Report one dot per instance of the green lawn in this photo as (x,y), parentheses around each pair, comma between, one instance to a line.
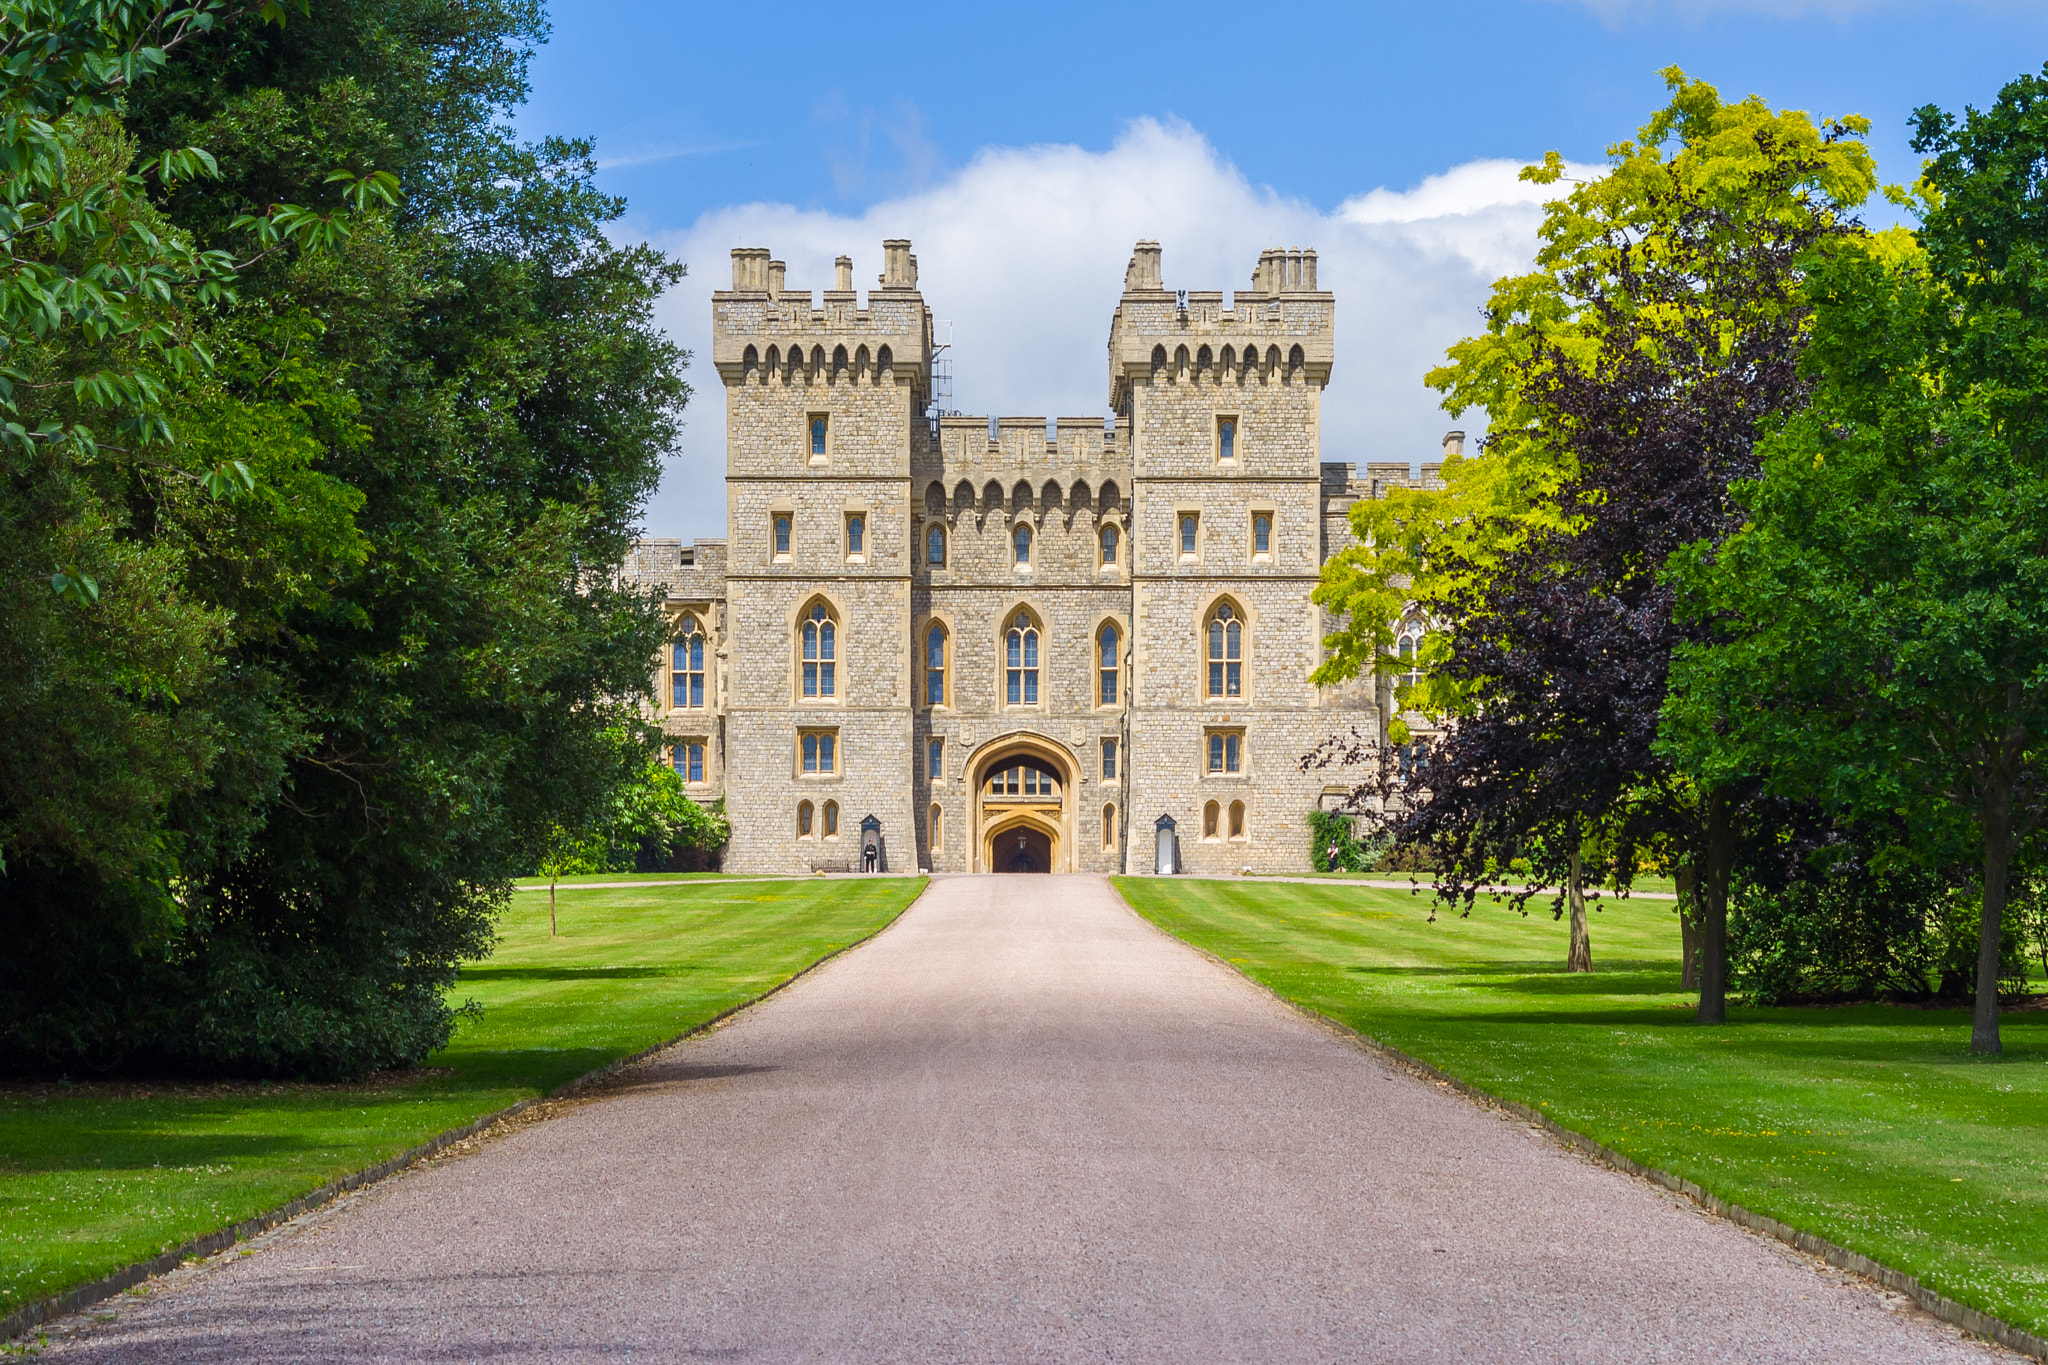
(1870,1125)
(94,1177)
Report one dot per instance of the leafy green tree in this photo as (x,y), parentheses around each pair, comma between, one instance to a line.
(1435,550)
(364,673)
(1886,607)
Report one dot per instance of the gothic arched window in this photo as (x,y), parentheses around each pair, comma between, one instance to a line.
(1189,525)
(935,545)
(1109,544)
(1226,439)
(1021,656)
(1262,534)
(856,535)
(1109,658)
(1022,543)
(803,819)
(935,666)
(1409,673)
(686,671)
(821,653)
(1226,652)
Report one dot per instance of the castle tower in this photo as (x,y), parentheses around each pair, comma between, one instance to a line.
(1224,403)
(823,402)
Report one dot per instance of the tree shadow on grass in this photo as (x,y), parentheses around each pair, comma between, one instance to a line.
(116,1151)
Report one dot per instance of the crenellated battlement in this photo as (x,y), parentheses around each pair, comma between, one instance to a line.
(765,332)
(1280,331)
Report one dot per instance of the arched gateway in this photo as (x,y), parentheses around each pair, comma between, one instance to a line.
(1023,807)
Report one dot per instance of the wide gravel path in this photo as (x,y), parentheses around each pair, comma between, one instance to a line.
(1020,1125)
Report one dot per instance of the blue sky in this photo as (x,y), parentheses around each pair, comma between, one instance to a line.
(1025,148)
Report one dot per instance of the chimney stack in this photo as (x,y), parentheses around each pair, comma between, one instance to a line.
(842,274)
(1454,444)
(749,269)
(776,269)
(899,267)
(1143,271)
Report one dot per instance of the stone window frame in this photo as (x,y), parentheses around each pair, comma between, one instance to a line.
(935,828)
(835,615)
(702,674)
(1111,524)
(1253,554)
(1028,523)
(776,513)
(1110,753)
(1243,754)
(1121,668)
(936,527)
(1238,821)
(828,820)
(684,762)
(935,749)
(1004,625)
(1181,554)
(1108,826)
(948,667)
(806,820)
(1244,661)
(811,442)
(823,735)
(848,551)
(1235,459)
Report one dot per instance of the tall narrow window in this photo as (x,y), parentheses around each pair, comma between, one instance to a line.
(1109,760)
(1022,542)
(687,665)
(1237,819)
(1410,672)
(1109,547)
(1109,827)
(1109,660)
(1226,652)
(935,545)
(935,759)
(689,759)
(831,819)
(821,653)
(1022,657)
(935,666)
(933,828)
(817,437)
(1210,815)
(1226,438)
(856,535)
(1262,534)
(1189,524)
(803,819)
(782,535)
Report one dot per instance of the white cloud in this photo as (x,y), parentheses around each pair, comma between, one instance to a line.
(1023,251)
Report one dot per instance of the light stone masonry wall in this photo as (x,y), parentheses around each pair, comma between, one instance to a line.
(1180,364)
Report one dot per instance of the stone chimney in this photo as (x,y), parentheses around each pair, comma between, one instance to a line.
(842,274)
(899,267)
(776,271)
(1143,271)
(749,269)
(1454,444)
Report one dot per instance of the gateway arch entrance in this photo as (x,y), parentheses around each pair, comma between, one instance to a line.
(1023,806)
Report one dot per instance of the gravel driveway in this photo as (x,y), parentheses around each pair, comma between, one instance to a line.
(1020,1125)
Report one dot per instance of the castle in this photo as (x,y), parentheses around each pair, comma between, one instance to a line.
(1013,644)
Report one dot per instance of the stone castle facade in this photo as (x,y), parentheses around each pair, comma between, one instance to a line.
(1014,644)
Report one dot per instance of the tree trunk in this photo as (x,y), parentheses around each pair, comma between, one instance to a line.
(1580,958)
(1997,819)
(551,907)
(1713,910)
(1688,926)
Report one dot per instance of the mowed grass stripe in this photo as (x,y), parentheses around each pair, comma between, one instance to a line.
(1869,1125)
(97,1176)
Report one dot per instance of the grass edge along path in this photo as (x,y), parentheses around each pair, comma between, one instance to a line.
(1952,1311)
(80,1296)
